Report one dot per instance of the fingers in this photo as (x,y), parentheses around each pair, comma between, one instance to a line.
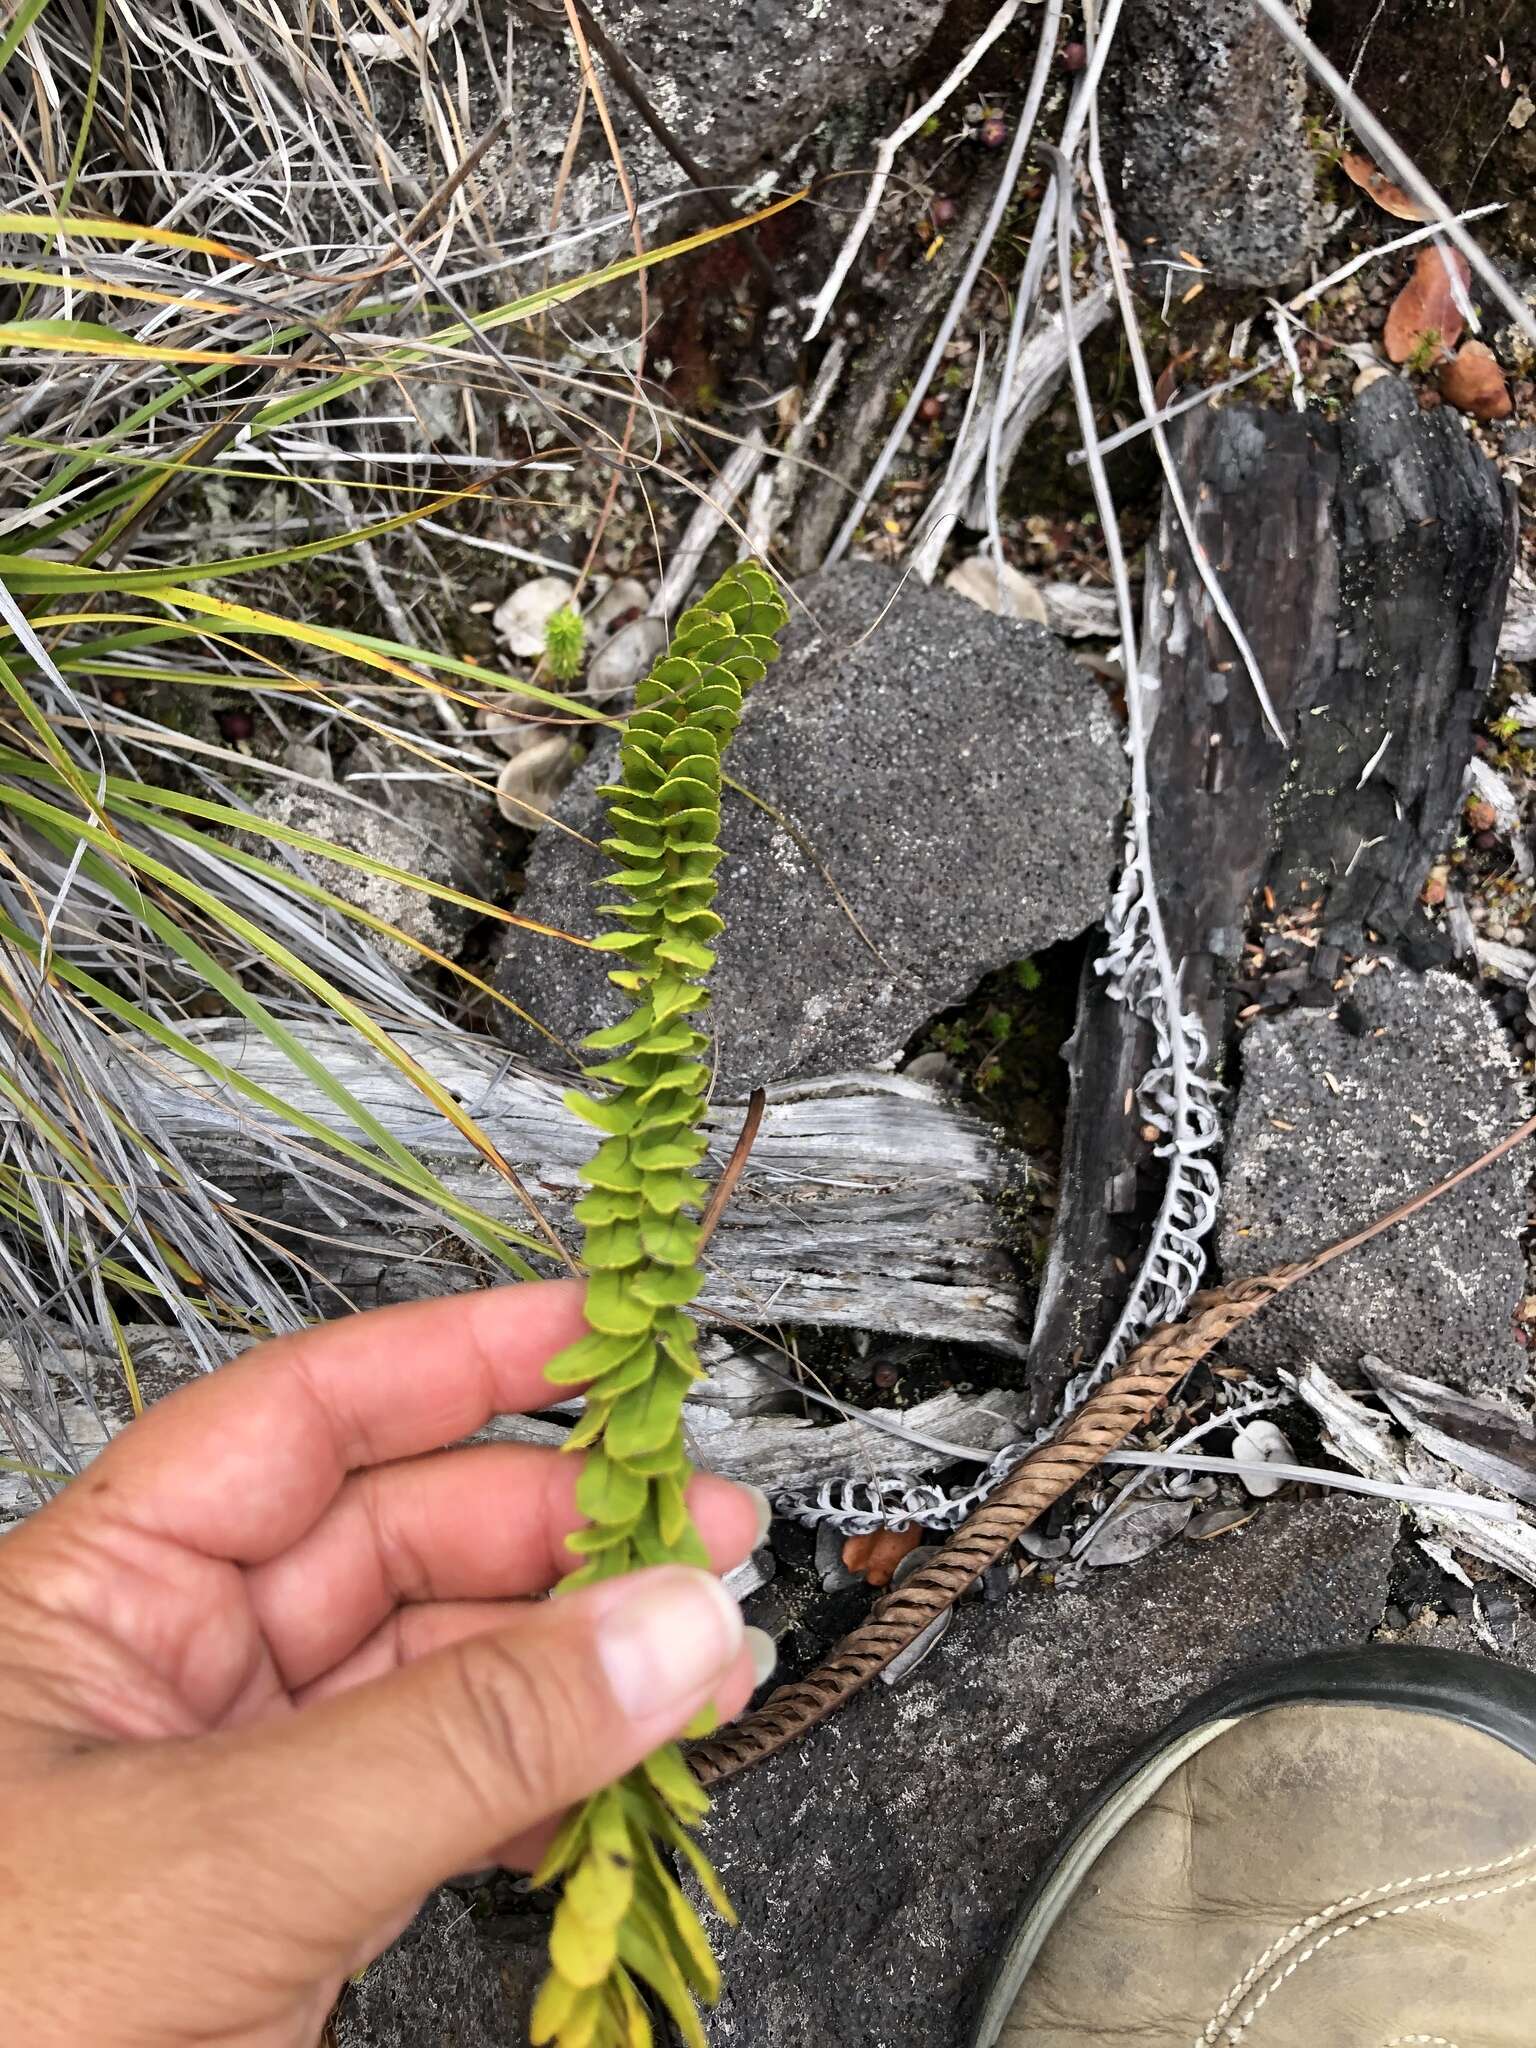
(409,1634)
(240,1464)
(484,1523)
(427,1772)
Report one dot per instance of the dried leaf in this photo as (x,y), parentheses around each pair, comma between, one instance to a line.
(1425,317)
(1389,197)
(1168,380)
(1137,1531)
(978,579)
(1213,1522)
(876,1556)
(1522,111)
(1473,382)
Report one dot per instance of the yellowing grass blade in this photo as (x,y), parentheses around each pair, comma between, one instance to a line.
(83,282)
(90,338)
(100,229)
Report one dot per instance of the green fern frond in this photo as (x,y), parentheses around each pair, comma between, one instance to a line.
(623,1922)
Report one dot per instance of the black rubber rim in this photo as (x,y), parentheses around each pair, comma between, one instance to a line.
(1496,1699)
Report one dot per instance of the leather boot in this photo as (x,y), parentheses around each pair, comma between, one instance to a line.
(1336,1853)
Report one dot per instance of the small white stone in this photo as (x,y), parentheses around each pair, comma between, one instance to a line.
(620,662)
(532,779)
(1257,1444)
(519,620)
(628,594)
(1371,374)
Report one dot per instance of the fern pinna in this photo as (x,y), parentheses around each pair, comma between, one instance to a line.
(623,1921)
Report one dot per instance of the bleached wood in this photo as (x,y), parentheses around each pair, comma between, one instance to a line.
(869,1200)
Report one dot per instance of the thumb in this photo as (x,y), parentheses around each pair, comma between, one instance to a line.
(416,1776)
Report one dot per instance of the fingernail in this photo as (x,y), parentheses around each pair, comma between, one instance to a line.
(673,1632)
(761,1649)
(764,1507)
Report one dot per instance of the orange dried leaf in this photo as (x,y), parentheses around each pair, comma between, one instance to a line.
(1473,382)
(876,1556)
(1389,197)
(1168,382)
(1425,315)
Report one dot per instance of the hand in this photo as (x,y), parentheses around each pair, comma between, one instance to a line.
(275,1666)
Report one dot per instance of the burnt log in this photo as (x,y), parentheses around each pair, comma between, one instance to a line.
(1367,560)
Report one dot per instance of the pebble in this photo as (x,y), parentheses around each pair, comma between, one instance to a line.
(617,605)
(520,619)
(533,778)
(621,661)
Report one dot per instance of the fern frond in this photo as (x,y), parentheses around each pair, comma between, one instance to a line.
(623,1921)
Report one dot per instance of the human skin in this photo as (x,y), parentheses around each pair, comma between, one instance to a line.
(276,1665)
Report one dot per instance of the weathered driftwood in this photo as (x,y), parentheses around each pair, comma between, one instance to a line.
(745,1421)
(961,497)
(1367,561)
(1477,1433)
(1517,635)
(868,1200)
(1366,1443)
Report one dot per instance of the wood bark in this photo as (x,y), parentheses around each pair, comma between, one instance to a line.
(868,1201)
(746,1421)
(1367,561)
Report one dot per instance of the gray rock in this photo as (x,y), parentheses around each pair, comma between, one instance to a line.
(422,827)
(1208,140)
(740,87)
(1338,1121)
(958,776)
(452,1980)
(876,1864)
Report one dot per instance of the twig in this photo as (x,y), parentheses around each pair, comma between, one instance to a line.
(1140,967)
(985,235)
(725,1186)
(1180,406)
(1012,410)
(709,515)
(1402,1491)
(1000,458)
(637,238)
(885,159)
(1426,233)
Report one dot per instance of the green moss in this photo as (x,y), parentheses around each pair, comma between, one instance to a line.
(1006,1042)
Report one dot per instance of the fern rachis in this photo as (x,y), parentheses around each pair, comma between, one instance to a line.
(623,1921)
